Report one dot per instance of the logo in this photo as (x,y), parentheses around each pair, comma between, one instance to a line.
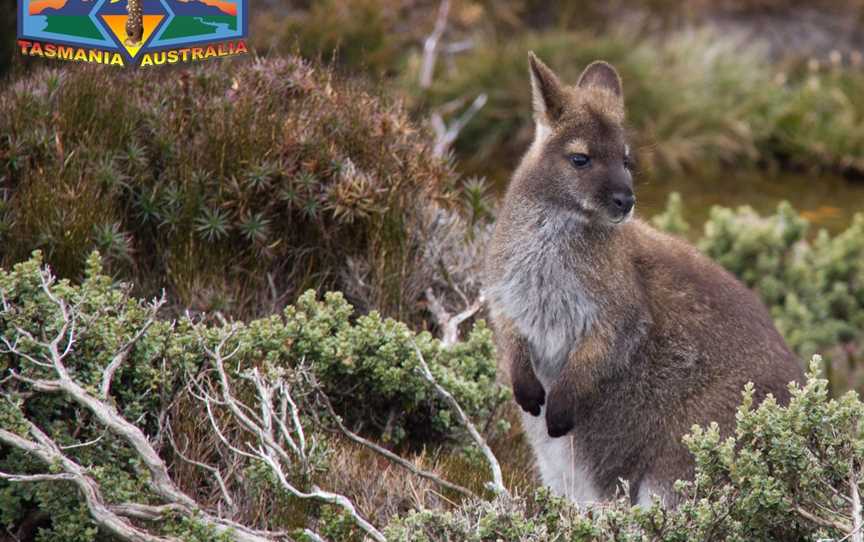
(141,33)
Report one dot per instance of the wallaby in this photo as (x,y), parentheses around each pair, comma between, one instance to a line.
(618,337)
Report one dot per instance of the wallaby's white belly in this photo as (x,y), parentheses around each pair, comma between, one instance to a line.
(560,465)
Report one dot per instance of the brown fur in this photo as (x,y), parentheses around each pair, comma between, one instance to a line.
(666,338)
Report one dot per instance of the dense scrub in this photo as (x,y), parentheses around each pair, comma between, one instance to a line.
(238,186)
(368,368)
(787,473)
(234,187)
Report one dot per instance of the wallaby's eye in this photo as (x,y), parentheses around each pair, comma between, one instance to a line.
(580,160)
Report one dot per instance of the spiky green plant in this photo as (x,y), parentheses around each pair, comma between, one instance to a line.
(212,224)
(256,228)
(113,242)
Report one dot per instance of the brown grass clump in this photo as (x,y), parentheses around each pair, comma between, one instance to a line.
(380,489)
(234,185)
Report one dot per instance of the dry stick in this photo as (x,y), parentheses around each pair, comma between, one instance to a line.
(85,444)
(268,450)
(829,523)
(149,512)
(857,535)
(46,450)
(321,495)
(835,492)
(209,468)
(497,483)
(295,418)
(430,45)
(387,453)
(449,323)
(120,356)
(446,135)
(160,480)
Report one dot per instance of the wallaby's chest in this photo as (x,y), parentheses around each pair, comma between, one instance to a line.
(539,288)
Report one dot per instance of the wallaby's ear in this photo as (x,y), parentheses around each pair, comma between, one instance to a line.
(546,90)
(602,75)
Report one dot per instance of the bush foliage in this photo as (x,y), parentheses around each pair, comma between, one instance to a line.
(367,367)
(788,473)
(815,287)
(235,187)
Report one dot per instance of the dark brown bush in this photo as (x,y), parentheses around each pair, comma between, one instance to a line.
(232,185)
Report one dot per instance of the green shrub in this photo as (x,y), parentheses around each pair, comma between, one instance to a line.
(814,287)
(367,365)
(233,186)
(139,391)
(787,473)
(672,218)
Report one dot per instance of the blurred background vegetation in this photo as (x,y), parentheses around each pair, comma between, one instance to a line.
(341,157)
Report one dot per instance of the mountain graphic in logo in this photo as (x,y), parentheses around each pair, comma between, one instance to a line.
(74,8)
(213,19)
(64,20)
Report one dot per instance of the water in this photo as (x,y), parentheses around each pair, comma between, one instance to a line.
(826,201)
(221,28)
(34,24)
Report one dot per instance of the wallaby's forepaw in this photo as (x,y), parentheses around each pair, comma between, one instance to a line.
(558,426)
(559,415)
(529,395)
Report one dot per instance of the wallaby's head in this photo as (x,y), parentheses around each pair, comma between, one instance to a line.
(579,162)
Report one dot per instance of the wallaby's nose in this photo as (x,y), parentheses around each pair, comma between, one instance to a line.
(623,201)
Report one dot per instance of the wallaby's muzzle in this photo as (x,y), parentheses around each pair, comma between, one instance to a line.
(618,198)
(621,204)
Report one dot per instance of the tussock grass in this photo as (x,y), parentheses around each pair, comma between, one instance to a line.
(695,101)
